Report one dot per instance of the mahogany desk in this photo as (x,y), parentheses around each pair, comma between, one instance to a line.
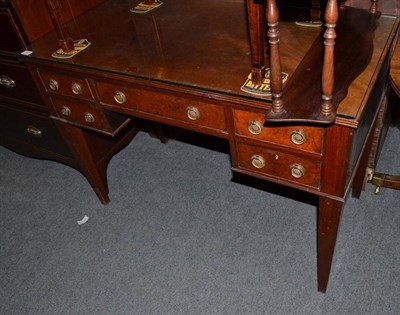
(183,65)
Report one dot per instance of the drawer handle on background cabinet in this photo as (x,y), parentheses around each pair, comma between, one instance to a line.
(120,97)
(66,111)
(53,85)
(192,113)
(7,82)
(297,170)
(76,88)
(89,118)
(298,137)
(257,161)
(33,131)
(255,127)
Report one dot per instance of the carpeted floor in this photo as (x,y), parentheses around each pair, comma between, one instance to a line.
(181,236)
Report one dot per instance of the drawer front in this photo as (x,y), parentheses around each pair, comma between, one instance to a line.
(184,109)
(66,85)
(280,165)
(82,113)
(16,83)
(36,129)
(250,125)
(10,42)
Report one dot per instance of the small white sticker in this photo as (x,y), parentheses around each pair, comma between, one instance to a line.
(27,52)
(83,221)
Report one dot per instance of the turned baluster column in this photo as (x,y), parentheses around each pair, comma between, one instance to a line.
(374,7)
(256,19)
(64,40)
(275,61)
(328,73)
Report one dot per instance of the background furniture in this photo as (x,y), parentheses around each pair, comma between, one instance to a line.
(381,179)
(25,126)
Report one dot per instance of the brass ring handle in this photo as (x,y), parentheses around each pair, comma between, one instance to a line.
(7,82)
(255,127)
(298,137)
(297,170)
(193,113)
(66,111)
(120,97)
(33,131)
(89,118)
(53,85)
(76,88)
(257,161)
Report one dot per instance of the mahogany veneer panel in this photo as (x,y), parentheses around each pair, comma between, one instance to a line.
(35,18)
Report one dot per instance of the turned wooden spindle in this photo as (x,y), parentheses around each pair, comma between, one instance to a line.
(374,7)
(331,17)
(256,19)
(275,61)
(64,40)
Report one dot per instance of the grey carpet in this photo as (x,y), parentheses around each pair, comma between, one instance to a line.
(180,236)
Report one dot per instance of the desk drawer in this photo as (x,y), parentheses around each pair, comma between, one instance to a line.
(82,113)
(279,165)
(16,83)
(250,125)
(32,128)
(86,114)
(170,106)
(65,85)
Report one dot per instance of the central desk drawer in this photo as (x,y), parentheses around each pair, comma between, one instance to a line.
(279,165)
(167,105)
(251,125)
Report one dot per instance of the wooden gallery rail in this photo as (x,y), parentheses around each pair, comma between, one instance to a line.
(282,111)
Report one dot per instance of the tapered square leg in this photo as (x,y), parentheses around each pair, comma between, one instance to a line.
(329,212)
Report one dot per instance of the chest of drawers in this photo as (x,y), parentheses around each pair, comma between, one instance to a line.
(25,125)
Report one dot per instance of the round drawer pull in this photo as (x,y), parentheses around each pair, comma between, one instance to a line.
(89,118)
(193,113)
(7,82)
(297,170)
(257,161)
(66,111)
(120,97)
(255,127)
(33,131)
(76,88)
(53,85)
(298,137)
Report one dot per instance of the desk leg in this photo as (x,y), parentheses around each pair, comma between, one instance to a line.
(329,212)
(335,171)
(94,171)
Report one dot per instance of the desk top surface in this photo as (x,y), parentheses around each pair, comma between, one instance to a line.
(200,44)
